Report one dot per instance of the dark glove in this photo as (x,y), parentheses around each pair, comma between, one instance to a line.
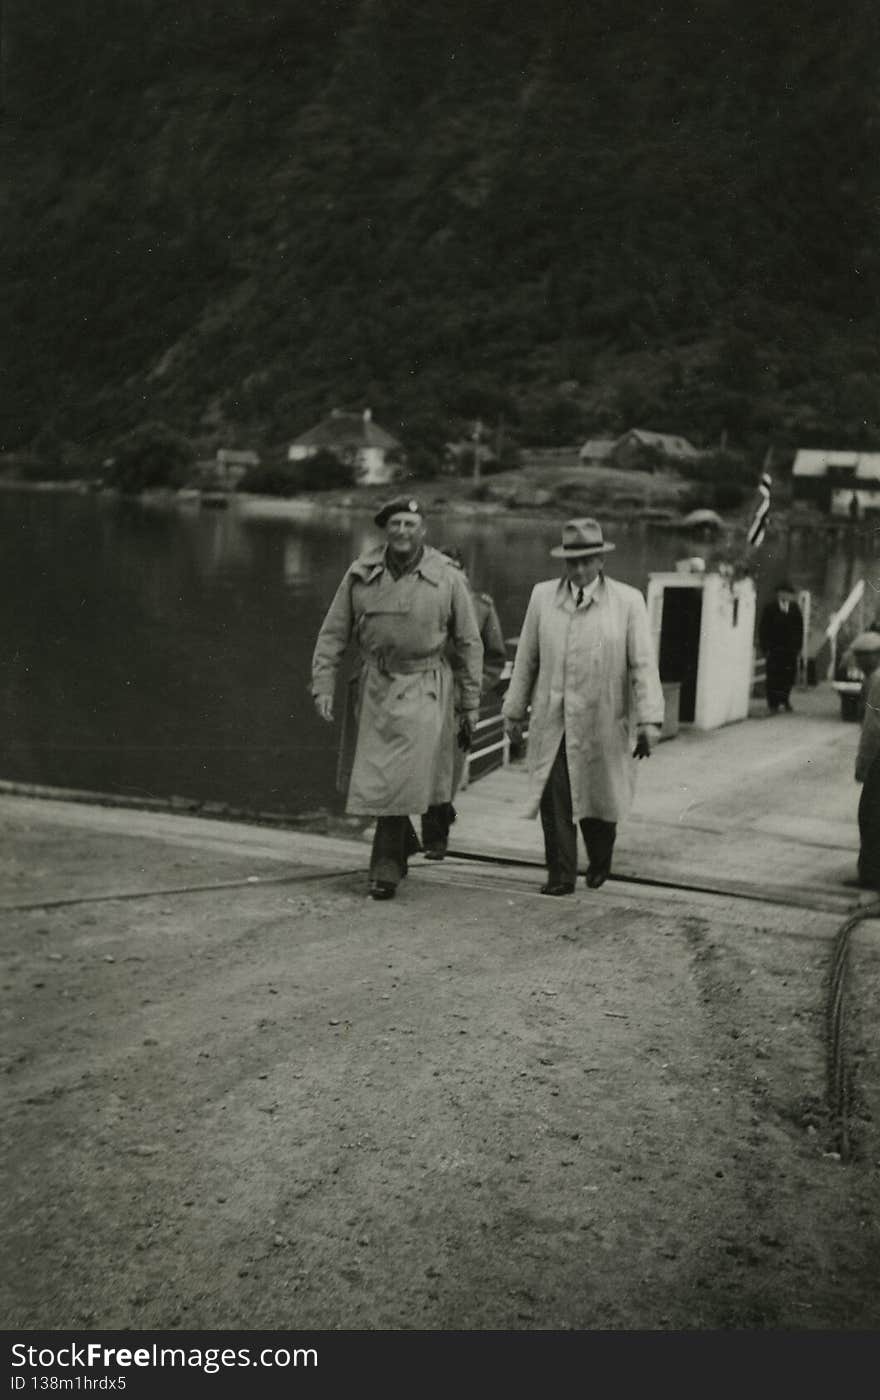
(465,733)
(643,747)
(514,730)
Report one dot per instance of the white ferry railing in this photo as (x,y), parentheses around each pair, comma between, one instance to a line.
(490,748)
(759,674)
(836,622)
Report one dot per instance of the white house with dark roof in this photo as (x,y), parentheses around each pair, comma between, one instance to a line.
(637,447)
(833,480)
(376,455)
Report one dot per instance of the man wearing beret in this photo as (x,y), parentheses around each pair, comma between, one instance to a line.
(586,666)
(401,602)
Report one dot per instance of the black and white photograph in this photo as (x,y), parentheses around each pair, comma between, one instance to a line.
(440,679)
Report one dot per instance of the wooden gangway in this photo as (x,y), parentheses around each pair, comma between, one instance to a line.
(491,748)
(766,805)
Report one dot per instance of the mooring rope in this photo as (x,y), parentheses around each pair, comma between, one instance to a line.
(840,1088)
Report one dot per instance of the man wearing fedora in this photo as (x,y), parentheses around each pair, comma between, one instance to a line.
(402,602)
(586,666)
(780,637)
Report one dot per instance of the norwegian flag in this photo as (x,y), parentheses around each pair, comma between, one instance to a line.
(758,526)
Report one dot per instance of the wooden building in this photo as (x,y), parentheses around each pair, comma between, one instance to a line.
(376,455)
(843,484)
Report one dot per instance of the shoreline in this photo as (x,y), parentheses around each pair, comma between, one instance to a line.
(435,501)
(319,821)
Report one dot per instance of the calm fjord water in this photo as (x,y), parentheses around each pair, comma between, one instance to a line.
(153,651)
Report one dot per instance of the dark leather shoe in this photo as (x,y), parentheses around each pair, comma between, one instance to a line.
(596,878)
(435,853)
(558,888)
(382,889)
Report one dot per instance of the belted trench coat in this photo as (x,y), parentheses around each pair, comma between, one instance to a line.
(590,674)
(402,705)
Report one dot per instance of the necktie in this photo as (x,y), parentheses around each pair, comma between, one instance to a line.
(580,598)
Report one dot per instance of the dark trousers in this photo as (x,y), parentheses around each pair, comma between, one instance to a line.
(439,818)
(435,826)
(394,842)
(869,829)
(560,832)
(781,670)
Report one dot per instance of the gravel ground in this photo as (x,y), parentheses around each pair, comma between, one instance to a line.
(275,1104)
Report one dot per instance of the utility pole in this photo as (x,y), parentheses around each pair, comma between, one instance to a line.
(477,434)
(499,437)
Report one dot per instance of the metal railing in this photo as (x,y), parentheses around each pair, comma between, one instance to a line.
(759,675)
(491,747)
(842,627)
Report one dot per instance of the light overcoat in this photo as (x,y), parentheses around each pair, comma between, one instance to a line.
(402,693)
(590,674)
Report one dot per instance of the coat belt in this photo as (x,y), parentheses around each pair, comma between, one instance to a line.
(404,667)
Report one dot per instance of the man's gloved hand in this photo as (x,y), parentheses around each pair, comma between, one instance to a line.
(465,733)
(644,745)
(324,707)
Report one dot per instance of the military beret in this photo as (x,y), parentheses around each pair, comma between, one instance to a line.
(401,505)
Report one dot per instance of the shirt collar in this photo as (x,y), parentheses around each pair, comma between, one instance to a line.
(589,590)
(432,565)
(398,570)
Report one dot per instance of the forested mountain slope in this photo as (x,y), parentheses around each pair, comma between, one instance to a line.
(235,214)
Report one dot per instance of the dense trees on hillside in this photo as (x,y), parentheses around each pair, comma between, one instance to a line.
(562,218)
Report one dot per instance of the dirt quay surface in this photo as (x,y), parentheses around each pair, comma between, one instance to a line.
(277,1104)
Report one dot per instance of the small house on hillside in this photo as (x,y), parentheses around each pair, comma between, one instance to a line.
(596,452)
(843,483)
(376,455)
(640,450)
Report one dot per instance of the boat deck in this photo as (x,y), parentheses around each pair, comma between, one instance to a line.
(765,807)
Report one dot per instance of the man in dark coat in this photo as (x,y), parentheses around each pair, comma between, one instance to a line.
(780,637)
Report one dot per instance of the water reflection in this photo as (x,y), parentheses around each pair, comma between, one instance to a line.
(166,651)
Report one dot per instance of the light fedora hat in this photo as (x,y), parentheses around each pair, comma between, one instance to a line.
(581,537)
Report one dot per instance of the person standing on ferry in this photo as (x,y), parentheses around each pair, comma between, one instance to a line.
(781,636)
(439,818)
